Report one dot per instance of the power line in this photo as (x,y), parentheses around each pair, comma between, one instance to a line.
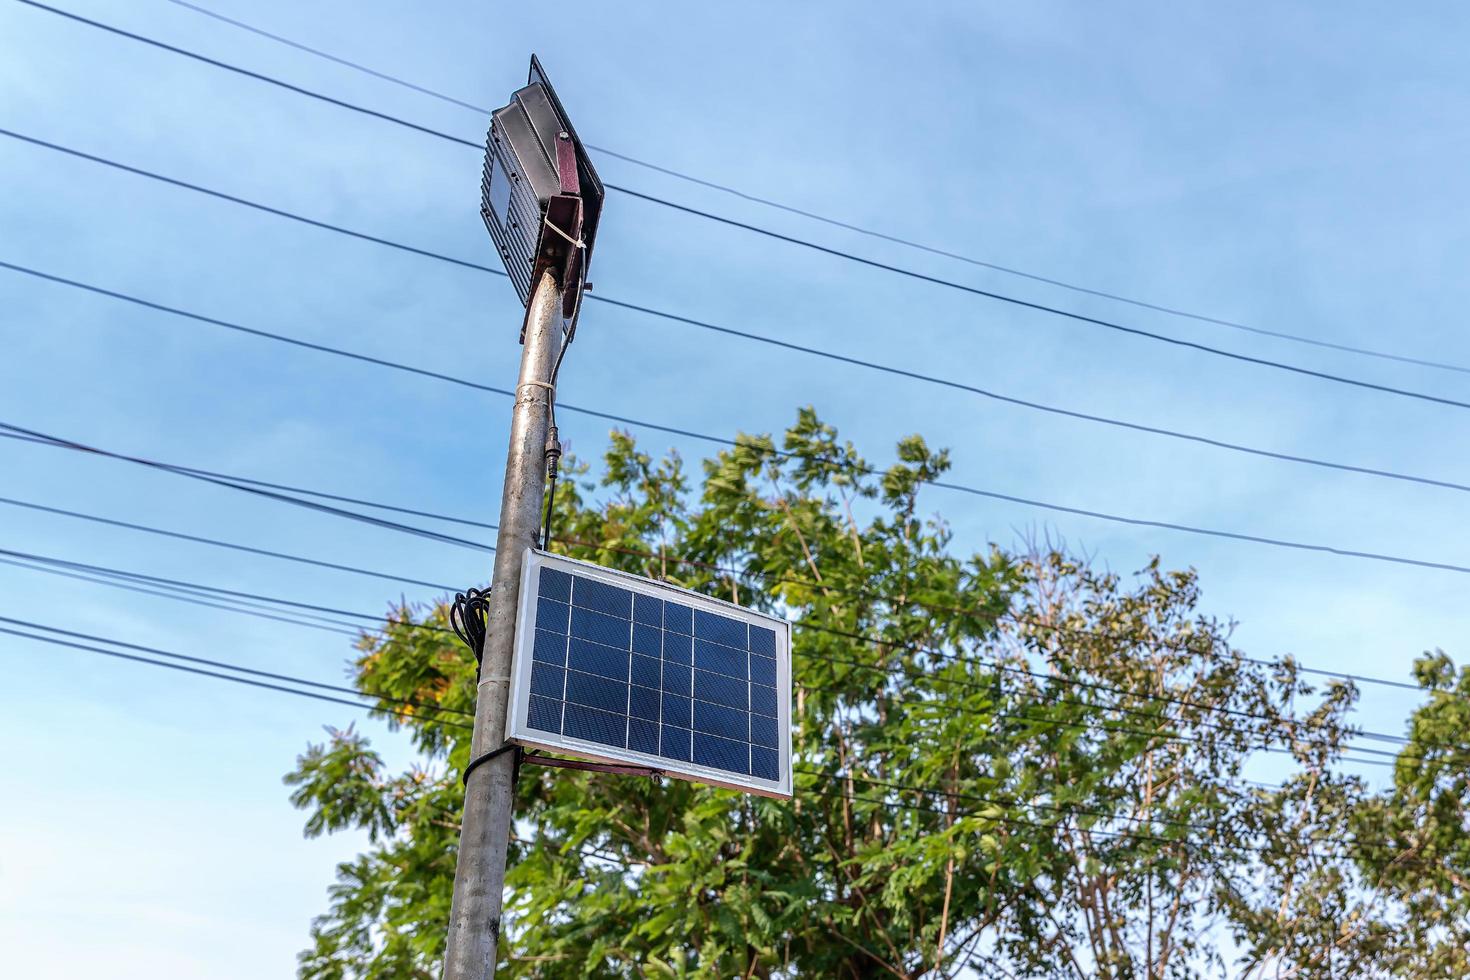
(233,546)
(157,580)
(227,478)
(789,239)
(55,641)
(175,468)
(1012,498)
(31,435)
(253,672)
(1026,403)
(950,793)
(1053,310)
(258,76)
(650,311)
(244,202)
(240,607)
(872,640)
(355,66)
(1095,726)
(835,222)
(331,565)
(997,663)
(961,488)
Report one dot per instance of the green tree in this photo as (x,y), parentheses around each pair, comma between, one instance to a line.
(1011,761)
(1389,894)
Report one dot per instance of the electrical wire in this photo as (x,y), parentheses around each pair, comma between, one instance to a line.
(468,610)
(239,607)
(553,445)
(664,315)
(306,491)
(1054,310)
(233,546)
(156,580)
(246,72)
(59,443)
(467,615)
(1002,817)
(765,232)
(318,52)
(778,236)
(226,677)
(770,578)
(780,579)
(469,625)
(961,488)
(224,665)
(838,223)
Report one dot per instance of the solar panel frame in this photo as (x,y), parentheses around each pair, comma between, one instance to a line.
(712,695)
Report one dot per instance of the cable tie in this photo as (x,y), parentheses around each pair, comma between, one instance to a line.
(576,242)
(539,384)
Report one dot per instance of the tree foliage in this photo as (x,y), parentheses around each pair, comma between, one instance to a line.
(1011,762)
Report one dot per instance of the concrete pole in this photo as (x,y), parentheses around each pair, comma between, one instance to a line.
(479,877)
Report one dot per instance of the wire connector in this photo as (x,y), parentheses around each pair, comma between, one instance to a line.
(553,465)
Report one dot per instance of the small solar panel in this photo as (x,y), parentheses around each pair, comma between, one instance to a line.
(618,668)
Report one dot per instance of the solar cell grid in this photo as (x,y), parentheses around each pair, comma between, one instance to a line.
(616,667)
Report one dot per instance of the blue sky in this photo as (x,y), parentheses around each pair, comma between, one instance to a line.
(1294,166)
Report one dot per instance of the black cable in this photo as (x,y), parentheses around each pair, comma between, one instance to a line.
(56,631)
(1053,310)
(765,576)
(477,762)
(291,488)
(896,787)
(239,607)
(771,578)
(838,253)
(470,629)
(1026,403)
(975,491)
(553,447)
(468,623)
(673,318)
(467,618)
(160,580)
(187,658)
(163,532)
(835,222)
(229,677)
(471,633)
(329,56)
(258,76)
(259,684)
(60,443)
(1276,542)
(553,464)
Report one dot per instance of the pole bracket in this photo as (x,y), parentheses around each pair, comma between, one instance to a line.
(537,759)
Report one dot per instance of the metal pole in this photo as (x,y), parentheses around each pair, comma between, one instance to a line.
(479,877)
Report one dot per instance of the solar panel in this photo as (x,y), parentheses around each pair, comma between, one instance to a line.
(618,668)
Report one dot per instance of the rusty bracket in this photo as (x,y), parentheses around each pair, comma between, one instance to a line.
(536,759)
(560,247)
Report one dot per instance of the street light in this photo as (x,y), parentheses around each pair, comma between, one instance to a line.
(540,195)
